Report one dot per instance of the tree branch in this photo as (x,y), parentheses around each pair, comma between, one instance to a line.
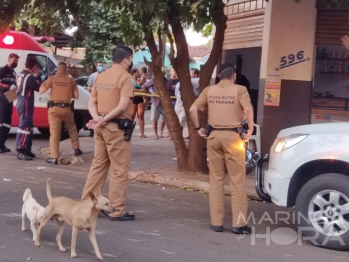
(170,37)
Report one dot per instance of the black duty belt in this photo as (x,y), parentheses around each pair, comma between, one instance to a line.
(61,104)
(236,129)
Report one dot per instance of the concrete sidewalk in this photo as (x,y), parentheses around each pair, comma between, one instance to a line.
(152,161)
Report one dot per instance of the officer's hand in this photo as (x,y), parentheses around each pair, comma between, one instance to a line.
(247,136)
(202,132)
(36,71)
(97,119)
(96,122)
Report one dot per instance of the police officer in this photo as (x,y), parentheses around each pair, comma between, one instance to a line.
(27,84)
(110,101)
(63,89)
(225,147)
(7,79)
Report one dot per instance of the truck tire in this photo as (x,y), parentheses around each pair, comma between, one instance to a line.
(79,122)
(44,131)
(323,211)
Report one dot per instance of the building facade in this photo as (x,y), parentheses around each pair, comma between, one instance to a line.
(293,57)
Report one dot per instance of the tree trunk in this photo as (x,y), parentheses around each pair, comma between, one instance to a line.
(172,119)
(220,22)
(196,156)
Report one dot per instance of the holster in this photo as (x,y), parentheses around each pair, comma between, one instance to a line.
(243,129)
(127,125)
(72,106)
(208,130)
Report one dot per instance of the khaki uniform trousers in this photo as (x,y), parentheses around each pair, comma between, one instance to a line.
(114,153)
(55,117)
(225,149)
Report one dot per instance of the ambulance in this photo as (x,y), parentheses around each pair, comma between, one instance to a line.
(23,45)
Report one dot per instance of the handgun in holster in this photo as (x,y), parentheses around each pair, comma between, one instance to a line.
(72,106)
(208,131)
(127,125)
(129,131)
(243,129)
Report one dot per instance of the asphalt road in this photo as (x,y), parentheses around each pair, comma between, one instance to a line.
(172,225)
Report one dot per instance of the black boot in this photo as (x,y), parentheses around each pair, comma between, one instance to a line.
(23,156)
(52,161)
(241,230)
(77,152)
(4,149)
(31,154)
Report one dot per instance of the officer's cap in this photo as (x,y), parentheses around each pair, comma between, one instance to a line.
(225,66)
(13,55)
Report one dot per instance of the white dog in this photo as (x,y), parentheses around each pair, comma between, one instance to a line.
(33,210)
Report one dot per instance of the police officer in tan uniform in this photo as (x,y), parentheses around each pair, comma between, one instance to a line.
(110,104)
(227,105)
(63,89)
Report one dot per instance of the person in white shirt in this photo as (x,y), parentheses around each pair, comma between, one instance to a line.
(179,108)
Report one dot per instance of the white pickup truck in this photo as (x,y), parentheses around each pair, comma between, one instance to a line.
(309,169)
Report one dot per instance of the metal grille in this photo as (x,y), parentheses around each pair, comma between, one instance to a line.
(247,6)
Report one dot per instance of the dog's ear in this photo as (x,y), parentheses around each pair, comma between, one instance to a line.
(93,197)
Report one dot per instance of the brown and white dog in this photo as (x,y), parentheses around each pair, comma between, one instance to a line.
(80,215)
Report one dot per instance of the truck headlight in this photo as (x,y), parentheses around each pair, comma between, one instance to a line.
(283,143)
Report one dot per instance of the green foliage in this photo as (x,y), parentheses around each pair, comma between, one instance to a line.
(45,23)
(196,13)
(107,27)
(8,10)
(206,32)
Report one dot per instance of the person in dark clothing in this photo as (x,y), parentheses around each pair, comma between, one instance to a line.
(27,84)
(7,82)
(243,81)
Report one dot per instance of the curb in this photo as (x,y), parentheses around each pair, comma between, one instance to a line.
(152,178)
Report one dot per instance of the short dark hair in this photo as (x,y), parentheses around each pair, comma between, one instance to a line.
(30,62)
(227,73)
(196,71)
(121,52)
(134,70)
(13,55)
(144,69)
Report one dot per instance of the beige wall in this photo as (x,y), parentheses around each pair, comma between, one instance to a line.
(289,28)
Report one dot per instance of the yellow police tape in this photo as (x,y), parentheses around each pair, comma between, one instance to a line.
(147,94)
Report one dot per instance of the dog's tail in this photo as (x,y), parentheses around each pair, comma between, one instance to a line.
(48,188)
(27,194)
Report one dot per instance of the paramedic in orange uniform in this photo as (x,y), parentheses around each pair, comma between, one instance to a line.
(63,89)
(225,147)
(110,101)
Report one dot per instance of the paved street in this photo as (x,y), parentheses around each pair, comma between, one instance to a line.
(171,224)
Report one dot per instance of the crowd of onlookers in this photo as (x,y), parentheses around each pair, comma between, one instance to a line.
(141,102)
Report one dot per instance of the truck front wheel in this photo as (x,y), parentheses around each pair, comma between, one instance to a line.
(323,211)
